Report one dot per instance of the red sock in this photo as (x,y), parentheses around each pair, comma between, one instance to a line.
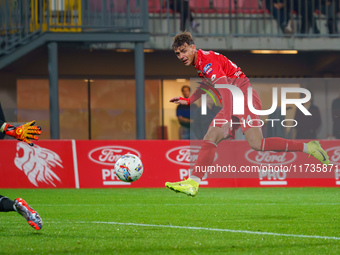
(205,158)
(280,144)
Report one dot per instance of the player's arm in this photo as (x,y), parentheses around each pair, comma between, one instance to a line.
(23,133)
(196,95)
(180,100)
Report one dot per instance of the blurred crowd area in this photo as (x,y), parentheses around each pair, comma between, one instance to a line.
(244,17)
(167,17)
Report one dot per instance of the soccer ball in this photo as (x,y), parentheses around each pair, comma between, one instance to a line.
(129,168)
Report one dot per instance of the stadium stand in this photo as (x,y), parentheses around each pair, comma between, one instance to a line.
(243,17)
(115,6)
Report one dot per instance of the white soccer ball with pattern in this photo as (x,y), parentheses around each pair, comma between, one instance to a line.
(129,168)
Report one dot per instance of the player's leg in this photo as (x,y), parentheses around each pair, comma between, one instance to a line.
(205,158)
(218,129)
(19,205)
(278,144)
(32,216)
(256,141)
(207,152)
(6,204)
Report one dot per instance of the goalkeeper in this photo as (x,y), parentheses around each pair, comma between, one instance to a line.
(22,133)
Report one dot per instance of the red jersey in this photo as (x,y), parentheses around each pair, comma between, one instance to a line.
(216,68)
(212,66)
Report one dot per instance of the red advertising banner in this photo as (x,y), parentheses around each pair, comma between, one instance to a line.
(171,161)
(96,161)
(90,164)
(48,164)
(250,168)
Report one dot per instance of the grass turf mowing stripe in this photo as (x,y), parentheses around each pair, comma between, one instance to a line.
(210,229)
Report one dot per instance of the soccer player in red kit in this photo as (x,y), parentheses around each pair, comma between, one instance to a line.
(215,69)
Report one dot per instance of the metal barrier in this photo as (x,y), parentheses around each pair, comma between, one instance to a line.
(58,16)
(22,20)
(254,18)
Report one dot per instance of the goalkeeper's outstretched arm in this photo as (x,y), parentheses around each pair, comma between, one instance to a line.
(23,133)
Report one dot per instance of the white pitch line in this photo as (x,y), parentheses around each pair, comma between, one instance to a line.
(134,205)
(211,229)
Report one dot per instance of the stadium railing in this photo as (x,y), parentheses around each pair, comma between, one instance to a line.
(248,17)
(21,21)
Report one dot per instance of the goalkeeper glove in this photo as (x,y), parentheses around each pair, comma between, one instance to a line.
(23,132)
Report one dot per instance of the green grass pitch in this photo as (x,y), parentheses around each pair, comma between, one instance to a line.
(159,221)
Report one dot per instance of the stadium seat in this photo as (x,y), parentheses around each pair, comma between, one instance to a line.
(250,6)
(201,6)
(200,3)
(114,6)
(154,6)
(158,6)
(121,6)
(243,6)
(223,6)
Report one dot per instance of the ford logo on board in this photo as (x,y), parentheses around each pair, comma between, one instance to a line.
(269,157)
(184,155)
(108,155)
(334,155)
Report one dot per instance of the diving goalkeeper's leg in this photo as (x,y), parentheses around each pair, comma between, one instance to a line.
(19,205)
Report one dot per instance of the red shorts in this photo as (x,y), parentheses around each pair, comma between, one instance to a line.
(242,120)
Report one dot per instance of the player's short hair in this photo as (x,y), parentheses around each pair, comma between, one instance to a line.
(185,86)
(182,38)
